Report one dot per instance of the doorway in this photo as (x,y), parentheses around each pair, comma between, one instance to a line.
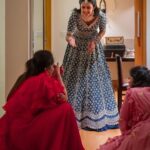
(139,20)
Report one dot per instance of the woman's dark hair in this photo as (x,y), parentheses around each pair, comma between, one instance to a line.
(141,76)
(41,60)
(93,2)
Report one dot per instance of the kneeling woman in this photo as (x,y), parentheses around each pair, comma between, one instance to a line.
(135,114)
(38,117)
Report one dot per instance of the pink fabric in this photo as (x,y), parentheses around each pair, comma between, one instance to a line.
(134,122)
(36,119)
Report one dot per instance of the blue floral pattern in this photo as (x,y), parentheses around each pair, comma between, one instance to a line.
(87,77)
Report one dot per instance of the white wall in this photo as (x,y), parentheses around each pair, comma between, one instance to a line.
(2,54)
(148,33)
(61,11)
(121,19)
(120,22)
(17,39)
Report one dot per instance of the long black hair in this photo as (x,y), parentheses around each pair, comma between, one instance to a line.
(41,60)
(140,76)
(93,2)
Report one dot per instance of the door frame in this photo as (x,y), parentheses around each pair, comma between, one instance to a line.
(140,32)
(47,25)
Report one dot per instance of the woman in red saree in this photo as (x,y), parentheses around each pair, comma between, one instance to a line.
(38,117)
(134,115)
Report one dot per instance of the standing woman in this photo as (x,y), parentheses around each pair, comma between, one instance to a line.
(86,74)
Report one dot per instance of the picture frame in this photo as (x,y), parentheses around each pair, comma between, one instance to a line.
(114,40)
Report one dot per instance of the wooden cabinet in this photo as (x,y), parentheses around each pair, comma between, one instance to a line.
(127,63)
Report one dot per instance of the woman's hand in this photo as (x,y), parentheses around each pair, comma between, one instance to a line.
(71,41)
(61,70)
(91,47)
(56,71)
(62,97)
(57,74)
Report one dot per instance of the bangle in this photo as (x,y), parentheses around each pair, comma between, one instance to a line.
(69,34)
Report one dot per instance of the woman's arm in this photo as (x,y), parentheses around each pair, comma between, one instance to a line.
(102,27)
(57,75)
(71,28)
(100,35)
(125,121)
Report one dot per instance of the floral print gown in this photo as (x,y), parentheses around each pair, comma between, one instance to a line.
(87,77)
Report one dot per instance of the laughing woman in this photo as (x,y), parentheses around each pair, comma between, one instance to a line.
(86,74)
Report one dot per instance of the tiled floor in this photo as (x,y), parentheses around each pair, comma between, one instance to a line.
(91,140)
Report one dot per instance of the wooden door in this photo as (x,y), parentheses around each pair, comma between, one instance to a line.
(140,32)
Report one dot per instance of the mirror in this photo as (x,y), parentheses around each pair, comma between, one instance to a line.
(37,34)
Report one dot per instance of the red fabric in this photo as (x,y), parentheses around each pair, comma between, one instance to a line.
(134,122)
(36,119)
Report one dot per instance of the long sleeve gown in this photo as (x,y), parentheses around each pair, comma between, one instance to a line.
(87,77)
